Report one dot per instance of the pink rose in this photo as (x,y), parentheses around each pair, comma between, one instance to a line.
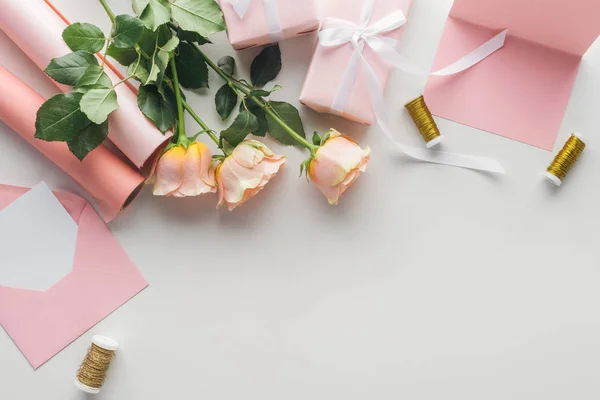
(182,172)
(337,164)
(245,172)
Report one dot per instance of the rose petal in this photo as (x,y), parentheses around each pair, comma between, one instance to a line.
(235,179)
(247,155)
(196,165)
(169,172)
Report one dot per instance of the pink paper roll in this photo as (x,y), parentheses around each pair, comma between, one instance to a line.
(296,18)
(329,63)
(110,181)
(37,29)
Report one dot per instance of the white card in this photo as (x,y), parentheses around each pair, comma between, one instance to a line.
(37,241)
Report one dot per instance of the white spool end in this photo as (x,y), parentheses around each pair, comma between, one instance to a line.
(86,388)
(105,342)
(434,142)
(581,137)
(557,182)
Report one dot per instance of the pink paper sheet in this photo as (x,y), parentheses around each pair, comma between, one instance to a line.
(110,181)
(43,323)
(37,29)
(297,18)
(329,63)
(522,91)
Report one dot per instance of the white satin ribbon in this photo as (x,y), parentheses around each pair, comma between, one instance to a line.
(271,14)
(337,32)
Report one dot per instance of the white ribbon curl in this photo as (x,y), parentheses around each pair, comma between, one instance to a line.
(337,32)
(271,14)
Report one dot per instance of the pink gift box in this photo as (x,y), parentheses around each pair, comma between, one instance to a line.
(296,18)
(329,63)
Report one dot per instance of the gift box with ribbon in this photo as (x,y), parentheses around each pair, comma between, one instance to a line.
(253,23)
(358,47)
(325,78)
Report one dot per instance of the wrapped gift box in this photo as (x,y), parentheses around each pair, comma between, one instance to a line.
(328,63)
(295,18)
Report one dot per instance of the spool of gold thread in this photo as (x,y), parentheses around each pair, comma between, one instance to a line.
(565,159)
(92,373)
(421,116)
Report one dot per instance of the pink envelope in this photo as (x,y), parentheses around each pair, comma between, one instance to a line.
(522,91)
(103,278)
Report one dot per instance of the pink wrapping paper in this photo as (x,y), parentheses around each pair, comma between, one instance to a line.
(328,63)
(37,29)
(297,18)
(110,181)
(522,91)
(42,323)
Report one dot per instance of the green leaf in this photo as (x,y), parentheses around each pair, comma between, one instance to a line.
(85,37)
(70,68)
(226,147)
(227,64)
(153,13)
(127,30)
(139,6)
(88,139)
(191,67)
(170,45)
(59,119)
(263,126)
(161,110)
(259,93)
(226,99)
(138,70)
(288,114)
(123,56)
(93,78)
(192,37)
(266,66)
(97,104)
(244,124)
(201,16)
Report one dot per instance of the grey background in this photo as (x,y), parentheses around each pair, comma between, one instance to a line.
(427,282)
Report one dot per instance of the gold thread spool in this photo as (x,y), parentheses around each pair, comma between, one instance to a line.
(565,159)
(421,116)
(92,372)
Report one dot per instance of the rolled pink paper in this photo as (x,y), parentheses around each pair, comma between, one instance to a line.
(329,63)
(296,17)
(109,180)
(37,29)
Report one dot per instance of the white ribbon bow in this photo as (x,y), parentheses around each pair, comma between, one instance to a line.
(271,14)
(337,32)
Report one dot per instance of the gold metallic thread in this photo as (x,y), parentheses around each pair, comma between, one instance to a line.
(93,369)
(567,157)
(420,114)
